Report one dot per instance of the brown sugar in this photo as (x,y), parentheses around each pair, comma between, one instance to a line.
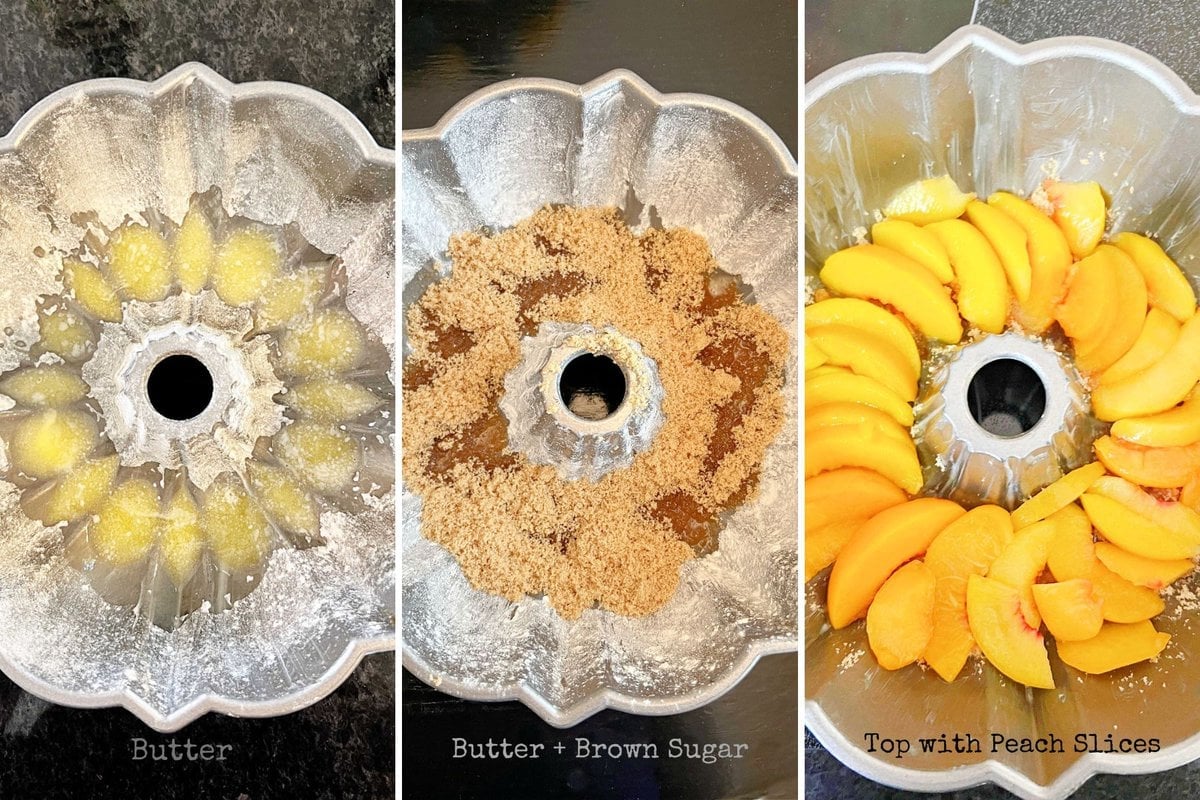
(517,528)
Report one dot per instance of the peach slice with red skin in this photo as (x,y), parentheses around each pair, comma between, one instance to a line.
(1156,388)
(1022,561)
(1168,287)
(1071,609)
(1141,523)
(1006,640)
(1129,315)
(900,619)
(1061,493)
(1159,332)
(1156,467)
(965,547)
(1114,647)
(1049,260)
(889,539)
(1079,212)
(863,446)
(1152,573)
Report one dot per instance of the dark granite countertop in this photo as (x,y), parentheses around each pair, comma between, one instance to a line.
(343,746)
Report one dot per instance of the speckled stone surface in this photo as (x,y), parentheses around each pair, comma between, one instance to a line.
(343,746)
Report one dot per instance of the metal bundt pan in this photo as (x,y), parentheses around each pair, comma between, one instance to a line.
(997,115)
(694,161)
(279,154)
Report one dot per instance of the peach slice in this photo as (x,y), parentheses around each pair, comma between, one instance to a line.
(915,242)
(1168,287)
(1010,242)
(840,384)
(1091,301)
(1149,572)
(1114,647)
(1177,427)
(1141,523)
(1157,467)
(813,355)
(823,543)
(1072,555)
(1127,320)
(928,200)
(1049,259)
(868,317)
(1189,495)
(1158,387)
(846,492)
(1159,332)
(900,619)
(1079,212)
(871,272)
(831,415)
(1022,561)
(1071,609)
(998,625)
(1072,551)
(861,446)
(982,286)
(967,546)
(1061,493)
(890,538)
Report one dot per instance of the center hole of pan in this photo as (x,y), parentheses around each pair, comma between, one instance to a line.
(592,386)
(1006,397)
(179,387)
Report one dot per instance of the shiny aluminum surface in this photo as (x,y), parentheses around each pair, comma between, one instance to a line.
(687,160)
(996,115)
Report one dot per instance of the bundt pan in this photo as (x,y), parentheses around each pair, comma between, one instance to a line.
(266,160)
(1000,116)
(672,160)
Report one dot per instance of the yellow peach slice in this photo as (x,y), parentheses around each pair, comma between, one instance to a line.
(332,400)
(1010,242)
(1127,320)
(330,341)
(900,618)
(965,547)
(847,492)
(1141,523)
(290,296)
(864,353)
(1049,260)
(861,446)
(871,272)
(1071,609)
(1091,301)
(324,458)
(841,384)
(79,492)
(1189,495)
(1012,646)
(928,200)
(1168,287)
(833,415)
(982,287)
(236,527)
(65,333)
(1176,427)
(195,252)
(916,243)
(125,526)
(1158,467)
(823,543)
(868,317)
(813,355)
(1072,555)
(91,291)
(1022,561)
(1149,572)
(1159,332)
(890,538)
(49,385)
(1114,647)
(1158,387)
(138,263)
(52,442)
(1061,493)
(181,540)
(246,265)
(284,499)
(1072,551)
(1079,212)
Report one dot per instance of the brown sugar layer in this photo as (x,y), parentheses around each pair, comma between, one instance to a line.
(518,528)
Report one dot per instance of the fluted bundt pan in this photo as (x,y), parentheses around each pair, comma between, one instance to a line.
(999,116)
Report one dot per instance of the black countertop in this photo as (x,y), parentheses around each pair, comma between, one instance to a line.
(743,52)
(343,746)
